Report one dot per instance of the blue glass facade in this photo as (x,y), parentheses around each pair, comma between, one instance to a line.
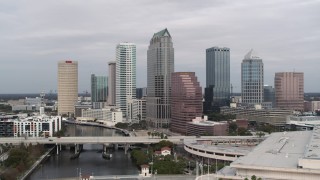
(217,77)
(98,88)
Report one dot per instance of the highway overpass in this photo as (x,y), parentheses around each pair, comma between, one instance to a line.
(118,139)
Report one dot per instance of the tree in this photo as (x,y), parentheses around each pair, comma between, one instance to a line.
(253,177)
(162,144)
(121,125)
(162,135)
(149,133)
(243,132)
(260,134)
(233,128)
(139,157)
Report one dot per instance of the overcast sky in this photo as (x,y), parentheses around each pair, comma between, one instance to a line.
(36,34)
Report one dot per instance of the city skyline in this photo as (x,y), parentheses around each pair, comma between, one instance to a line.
(35,35)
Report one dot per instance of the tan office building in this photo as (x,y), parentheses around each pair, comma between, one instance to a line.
(289,90)
(112,83)
(67,86)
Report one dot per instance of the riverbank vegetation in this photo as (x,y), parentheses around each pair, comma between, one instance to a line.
(142,125)
(175,163)
(20,159)
(169,164)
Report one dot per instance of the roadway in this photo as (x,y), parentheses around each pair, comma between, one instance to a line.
(114,139)
(155,177)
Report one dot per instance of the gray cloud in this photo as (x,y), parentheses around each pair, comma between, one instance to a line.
(36,34)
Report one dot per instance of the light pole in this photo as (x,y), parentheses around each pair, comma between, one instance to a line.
(189,168)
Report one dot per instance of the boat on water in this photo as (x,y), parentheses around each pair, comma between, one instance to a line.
(106,155)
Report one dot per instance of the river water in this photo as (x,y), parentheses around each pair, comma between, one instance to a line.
(90,161)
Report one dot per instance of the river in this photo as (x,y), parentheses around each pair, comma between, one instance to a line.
(90,161)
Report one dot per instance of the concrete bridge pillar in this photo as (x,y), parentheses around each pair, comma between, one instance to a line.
(116,146)
(76,148)
(126,147)
(57,147)
(105,148)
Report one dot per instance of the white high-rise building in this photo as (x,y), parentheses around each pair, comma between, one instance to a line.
(252,79)
(160,67)
(125,75)
(67,86)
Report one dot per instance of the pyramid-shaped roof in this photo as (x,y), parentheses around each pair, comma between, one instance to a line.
(251,55)
(161,33)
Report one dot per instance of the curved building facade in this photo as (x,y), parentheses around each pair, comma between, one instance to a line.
(186,100)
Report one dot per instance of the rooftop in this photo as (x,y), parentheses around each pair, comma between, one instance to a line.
(313,148)
(161,33)
(280,150)
(206,123)
(251,55)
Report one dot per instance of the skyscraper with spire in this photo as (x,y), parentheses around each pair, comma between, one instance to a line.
(160,64)
(252,79)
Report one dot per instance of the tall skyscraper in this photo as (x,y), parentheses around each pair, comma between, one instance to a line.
(289,90)
(252,79)
(98,88)
(160,66)
(217,78)
(186,100)
(112,83)
(67,86)
(125,74)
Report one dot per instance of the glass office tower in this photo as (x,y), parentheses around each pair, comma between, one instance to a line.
(217,92)
(252,79)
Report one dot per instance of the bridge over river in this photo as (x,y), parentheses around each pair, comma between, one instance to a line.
(121,139)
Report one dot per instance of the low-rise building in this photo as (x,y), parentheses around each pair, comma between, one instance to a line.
(145,170)
(285,155)
(201,126)
(241,123)
(81,106)
(165,151)
(303,122)
(136,110)
(108,115)
(311,106)
(276,117)
(35,126)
